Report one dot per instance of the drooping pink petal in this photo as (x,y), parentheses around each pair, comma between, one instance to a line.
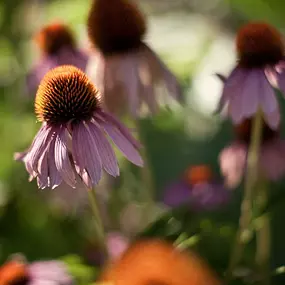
(43,175)
(273,119)
(131,83)
(250,96)
(177,194)
(108,117)
(268,102)
(232,87)
(107,155)
(120,139)
(233,91)
(272,76)
(62,161)
(37,148)
(158,71)
(272,159)
(232,163)
(54,175)
(86,153)
(281,79)
(116,244)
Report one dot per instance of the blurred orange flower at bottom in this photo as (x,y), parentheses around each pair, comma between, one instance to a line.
(156,262)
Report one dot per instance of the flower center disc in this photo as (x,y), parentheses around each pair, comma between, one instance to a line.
(259,44)
(198,174)
(115,26)
(54,37)
(66,94)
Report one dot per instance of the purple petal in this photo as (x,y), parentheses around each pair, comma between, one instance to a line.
(148,95)
(177,194)
(54,175)
(20,156)
(272,159)
(268,102)
(116,244)
(232,163)
(62,161)
(39,145)
(86,153)
(272,76)
(131,84)
(251,92)
(107,155)
(273,119)
(108,117)
(158,71)
(209,196)
(281,80)
(121,140)
(42,177)
(232,92)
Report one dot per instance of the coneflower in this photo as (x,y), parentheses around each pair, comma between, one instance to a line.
(57,46)
(125,68)
(72,139)
(250,86)
(199,189)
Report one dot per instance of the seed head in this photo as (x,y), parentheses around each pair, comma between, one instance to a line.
(66,94)
(259,44)
(115,26)
(53,37)
(198,174)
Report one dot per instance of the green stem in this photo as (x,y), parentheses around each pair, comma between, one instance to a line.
(98,221)
(244,234)
(263,243)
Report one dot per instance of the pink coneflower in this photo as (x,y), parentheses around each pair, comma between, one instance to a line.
(198,189)
(250,85)
(126,69)
(58,47)
(16,272)
(272,154)
(72,138)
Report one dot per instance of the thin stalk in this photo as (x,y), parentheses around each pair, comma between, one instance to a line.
(243,233)
(263,240)
(98,221)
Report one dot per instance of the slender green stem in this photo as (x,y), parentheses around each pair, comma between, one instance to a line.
(244,234)
(98,221)
(263,243)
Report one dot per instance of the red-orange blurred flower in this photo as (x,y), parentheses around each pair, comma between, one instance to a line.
(156,262)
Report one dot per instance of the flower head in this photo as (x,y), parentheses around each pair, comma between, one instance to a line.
(16,272)
(197,188)
(58,47)
(250,86)
(158,262)
(122,19)
(126,69)
(233,158)
(258,45)
(52,38)
(72,139)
